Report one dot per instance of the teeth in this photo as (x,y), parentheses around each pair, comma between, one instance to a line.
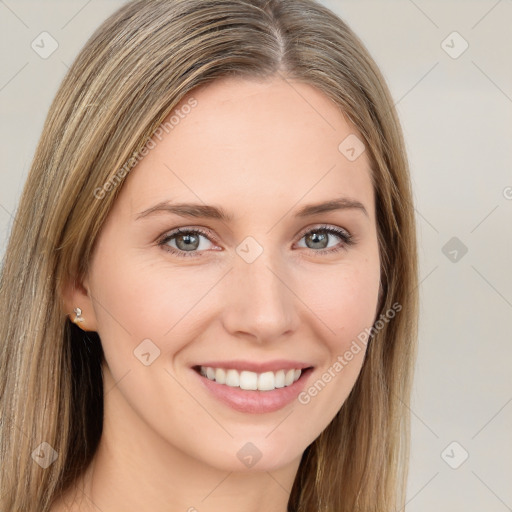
(279,379)
(266,381)
(220,375)
(232,378)
(248,380)
(288,378)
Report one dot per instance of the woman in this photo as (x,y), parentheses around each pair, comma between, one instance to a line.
(209,295)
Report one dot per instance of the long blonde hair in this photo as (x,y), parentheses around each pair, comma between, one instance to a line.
(130,75)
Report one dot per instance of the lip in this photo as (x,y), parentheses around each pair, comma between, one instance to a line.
(255,402)
(252,366)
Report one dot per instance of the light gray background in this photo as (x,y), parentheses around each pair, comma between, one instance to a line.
(456,114)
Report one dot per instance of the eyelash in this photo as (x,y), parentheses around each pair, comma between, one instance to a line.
(346,240)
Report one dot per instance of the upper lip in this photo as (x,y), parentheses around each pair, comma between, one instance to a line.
(252,366)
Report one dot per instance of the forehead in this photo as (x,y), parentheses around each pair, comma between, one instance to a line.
(247,143)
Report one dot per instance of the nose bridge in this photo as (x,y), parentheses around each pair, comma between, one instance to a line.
(260,302)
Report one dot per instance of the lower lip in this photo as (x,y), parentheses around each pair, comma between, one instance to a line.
(256,402)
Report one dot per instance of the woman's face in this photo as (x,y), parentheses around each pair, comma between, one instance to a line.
(275,285)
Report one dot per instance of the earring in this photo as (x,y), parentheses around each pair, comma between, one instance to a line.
(78,316)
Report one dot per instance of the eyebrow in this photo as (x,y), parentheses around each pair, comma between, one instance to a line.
(214,212)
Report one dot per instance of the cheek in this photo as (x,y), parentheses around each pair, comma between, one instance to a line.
(346,304)
(144,296)
(344,298)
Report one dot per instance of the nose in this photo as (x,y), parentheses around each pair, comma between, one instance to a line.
(260,300)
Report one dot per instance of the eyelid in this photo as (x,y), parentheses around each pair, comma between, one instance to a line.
(320,227)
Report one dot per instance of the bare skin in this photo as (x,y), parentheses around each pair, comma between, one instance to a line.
(261,151)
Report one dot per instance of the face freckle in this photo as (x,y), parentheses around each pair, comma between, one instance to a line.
(262,189)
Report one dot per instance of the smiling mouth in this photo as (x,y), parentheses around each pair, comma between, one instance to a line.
(252,381)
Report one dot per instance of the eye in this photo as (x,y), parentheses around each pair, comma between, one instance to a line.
(185,242)
(317,239)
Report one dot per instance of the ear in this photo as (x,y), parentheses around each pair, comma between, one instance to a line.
(76,295)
